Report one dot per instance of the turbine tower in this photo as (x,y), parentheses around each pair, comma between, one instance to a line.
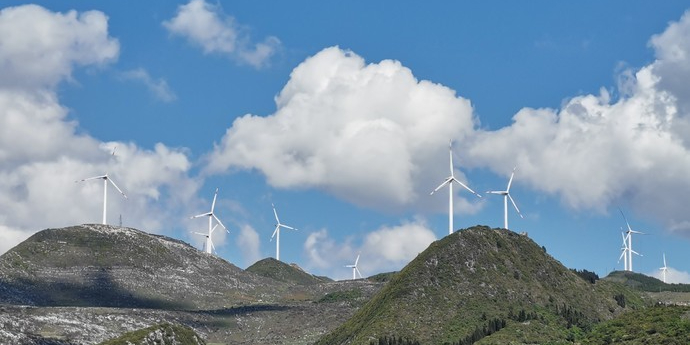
(449,182)
(276,232)
(355,270)
(664,269)
(105,179)
(624,251)
(211,216)
(506,196)
(629,233)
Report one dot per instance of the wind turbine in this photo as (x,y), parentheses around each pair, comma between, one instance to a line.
(506,196)
(211,216)
(664,269)
(629,236)
(624,251)
(105,179)
(276,232)
(208,238)
(449,181)
(355,270)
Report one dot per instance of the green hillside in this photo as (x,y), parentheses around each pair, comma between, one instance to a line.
(645,283)
(487,285)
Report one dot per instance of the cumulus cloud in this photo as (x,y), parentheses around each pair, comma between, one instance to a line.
(388,248)
(371,134)
(594,151)
(248,242)
(159,88)
(206,25)
(40,48)
(41,153)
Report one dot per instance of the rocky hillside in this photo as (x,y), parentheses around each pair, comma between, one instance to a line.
(488,285)
(280,271)
(107,266)
(90,283)
(163,334)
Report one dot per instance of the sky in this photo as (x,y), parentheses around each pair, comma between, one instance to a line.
(340,114)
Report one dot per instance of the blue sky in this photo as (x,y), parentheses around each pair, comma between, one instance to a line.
(341,114)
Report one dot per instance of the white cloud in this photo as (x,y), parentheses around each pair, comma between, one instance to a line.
(370,134)
(159,88)
(673,276)
(40,48)
(595,152)
(41,155)
(206,25)
(386,249)
(248,242)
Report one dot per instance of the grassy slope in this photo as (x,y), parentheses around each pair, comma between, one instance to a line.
(477,274)
(654,325)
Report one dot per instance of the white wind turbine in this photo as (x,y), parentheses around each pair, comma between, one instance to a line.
(355,270)
(629,233)
(506,196)
(211,216)
(276,232)
(664,269)
(208,237)
(449,181)
(105,179)
(624,251)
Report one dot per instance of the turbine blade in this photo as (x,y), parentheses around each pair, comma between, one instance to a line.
(450,151)
(514,205)
(201,215)
(358,272)
(116,187)
(626,220)
(213,248)
(447,181)
(286,226)
(511,179)
(664,260)
(213,228)
(275,213)
(198,233)
(468,188)
(357,260)
(213,204)
(275,232)
(622,255)
(218,220)
(91,178)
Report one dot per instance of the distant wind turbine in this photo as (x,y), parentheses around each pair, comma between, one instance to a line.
(105,179)
(208,239)
(664,269)
(211,216)
(355,270)
(276,232)
(506,196)
(449,182)
(629,233)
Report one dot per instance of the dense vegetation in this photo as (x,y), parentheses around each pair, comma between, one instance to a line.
(654,325)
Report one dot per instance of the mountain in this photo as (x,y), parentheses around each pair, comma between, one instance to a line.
(278,270)
(488,285)
(643,282)
(659,324)
(108,266)
(89,283)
